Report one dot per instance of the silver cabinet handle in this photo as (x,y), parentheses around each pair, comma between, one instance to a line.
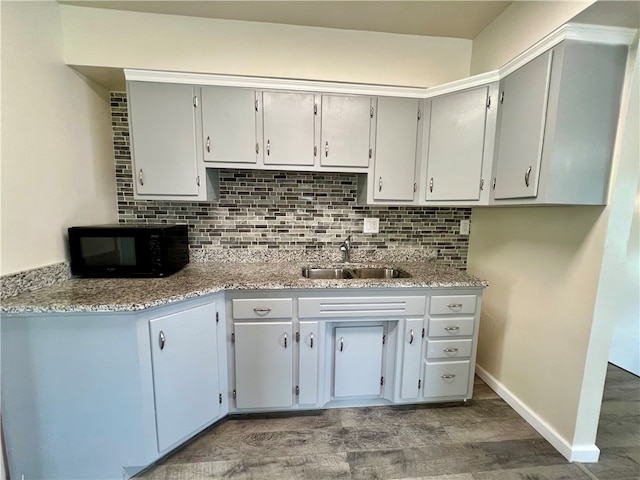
(141,177)
(341,343)
(161,340)
(285,340)
(261,310)
(527,175)
(452,329)
(431,185)
(455,305)
(208,144)
(311,340)
(411,338)
(447,376)
(450,350)
(326,149)
(380,184)
(268,147)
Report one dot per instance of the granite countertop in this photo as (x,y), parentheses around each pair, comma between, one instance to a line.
(196,279)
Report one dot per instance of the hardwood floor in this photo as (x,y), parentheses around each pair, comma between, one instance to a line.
(483,440)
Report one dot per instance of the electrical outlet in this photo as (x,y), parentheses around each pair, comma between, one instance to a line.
(371,225)
(464,227)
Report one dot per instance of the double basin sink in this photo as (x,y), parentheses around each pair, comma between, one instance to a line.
(345,273)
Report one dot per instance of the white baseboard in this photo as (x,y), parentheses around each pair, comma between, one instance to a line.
(573,453)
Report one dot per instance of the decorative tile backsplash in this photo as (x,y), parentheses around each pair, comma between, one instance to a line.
(300,211)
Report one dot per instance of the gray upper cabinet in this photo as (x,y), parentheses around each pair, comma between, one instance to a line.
(345,131)
(396,146)
(456,145)
(557,125)
(229,125)
(289,128)
(521,120)
(162,120)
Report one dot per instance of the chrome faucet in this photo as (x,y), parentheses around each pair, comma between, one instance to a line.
(345,248)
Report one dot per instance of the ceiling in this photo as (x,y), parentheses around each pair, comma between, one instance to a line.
(460,19)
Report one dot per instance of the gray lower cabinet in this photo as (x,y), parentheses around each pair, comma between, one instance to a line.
(358,361)
(410,362)
(104,395)
(184,352)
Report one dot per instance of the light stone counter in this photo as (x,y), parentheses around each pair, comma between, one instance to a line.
(196,279)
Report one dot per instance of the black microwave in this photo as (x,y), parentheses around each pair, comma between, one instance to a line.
(128,250)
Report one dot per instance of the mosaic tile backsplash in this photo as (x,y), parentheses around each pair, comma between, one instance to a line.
(301,211)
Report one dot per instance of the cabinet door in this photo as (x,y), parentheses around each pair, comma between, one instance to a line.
(521,119)
(396,144)
(229,124)
(308,369)
(163,137)
(411,359)
(185,372)
(264,364)
(358,361)
(289,128)
(346,124)
(456,145)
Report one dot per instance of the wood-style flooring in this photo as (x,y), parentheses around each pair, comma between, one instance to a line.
(483,440)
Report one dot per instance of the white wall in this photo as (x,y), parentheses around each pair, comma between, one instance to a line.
(57,157)
(539,338)
(110,38)
(619,288)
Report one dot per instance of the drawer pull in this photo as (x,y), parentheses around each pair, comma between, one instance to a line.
(411,339)
(455,305)
(448,376)
(450,350)
(452,329)
(262,311)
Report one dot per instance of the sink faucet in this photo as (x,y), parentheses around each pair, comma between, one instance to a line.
(345,248)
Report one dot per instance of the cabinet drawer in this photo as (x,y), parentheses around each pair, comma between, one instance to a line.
(449,348)
(452,304)
(361,306)
(255,308)
(450,327)
(449,379)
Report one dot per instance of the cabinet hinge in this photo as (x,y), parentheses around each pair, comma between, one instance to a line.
(315,150)
(195,102)
(371,112)
(423,333)
(489,102)
(233,337)
(381,380)
(220,398)
(502,97)
(384,337)
(493,185)
(234,394)
(482,184)
(217,317)
(315,109)
(419,384)
(257,148)
(419,114)
(297,390)
(198,180)
(415,187)
(298,337)
(257,106)
(370,153)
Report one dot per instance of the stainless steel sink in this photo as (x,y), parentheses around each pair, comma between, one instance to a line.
(343,273)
